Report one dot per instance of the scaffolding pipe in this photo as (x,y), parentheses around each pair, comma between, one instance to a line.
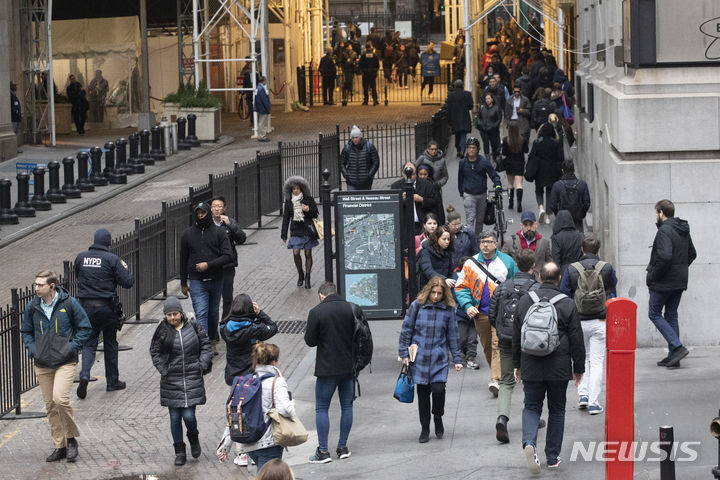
(253,36)
(206,37)
(196,53)
(51,80)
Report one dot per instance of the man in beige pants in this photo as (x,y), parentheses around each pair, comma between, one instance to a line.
(54,329)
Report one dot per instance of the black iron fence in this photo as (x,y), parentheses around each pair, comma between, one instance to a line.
(251,190)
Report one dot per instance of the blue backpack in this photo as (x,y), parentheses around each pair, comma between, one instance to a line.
(245,410)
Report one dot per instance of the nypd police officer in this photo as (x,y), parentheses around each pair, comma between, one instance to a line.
(98,274)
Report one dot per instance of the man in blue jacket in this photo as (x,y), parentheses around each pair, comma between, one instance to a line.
(98,273)
(429,68)
(473,172)
(54,329)
(262,107)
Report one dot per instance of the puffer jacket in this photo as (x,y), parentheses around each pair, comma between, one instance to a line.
(303,228)
(240,333)
(359,163)
(181,357)
(566,241)
(438,165)
(489,118)
(432,263)
(76,328)
(283,405)
(672,253)
(545,159)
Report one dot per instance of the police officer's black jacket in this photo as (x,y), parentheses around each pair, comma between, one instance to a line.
(99,272)
(369,63)
(204,242)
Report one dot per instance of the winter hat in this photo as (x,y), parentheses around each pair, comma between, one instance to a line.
(102,237)
(172,304)
(202,206)
(355,132)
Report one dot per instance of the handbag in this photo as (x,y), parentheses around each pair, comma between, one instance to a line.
(319,228)
(501,164)
(287,431)
(405,386)
(567,112)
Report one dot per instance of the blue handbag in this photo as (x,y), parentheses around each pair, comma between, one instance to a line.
(405,386)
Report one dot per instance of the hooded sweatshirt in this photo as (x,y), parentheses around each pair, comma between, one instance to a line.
(672,253)
(203,242)
(566,240)
(99,272)
(437,162)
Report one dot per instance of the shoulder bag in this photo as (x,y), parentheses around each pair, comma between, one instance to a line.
(287,431)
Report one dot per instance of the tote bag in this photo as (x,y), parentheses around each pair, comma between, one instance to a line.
(405,386)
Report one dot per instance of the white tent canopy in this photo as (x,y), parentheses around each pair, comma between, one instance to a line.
(90,37)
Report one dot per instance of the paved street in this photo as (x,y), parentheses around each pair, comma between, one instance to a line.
(126,433)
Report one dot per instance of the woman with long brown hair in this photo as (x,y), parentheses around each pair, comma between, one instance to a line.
(430,324)
(514,148)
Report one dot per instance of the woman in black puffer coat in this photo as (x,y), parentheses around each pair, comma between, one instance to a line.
(435,258)
(298,213)
(544,166)
(241,329)
(181,352)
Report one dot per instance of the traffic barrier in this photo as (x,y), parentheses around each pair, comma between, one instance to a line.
(96,176)
(134,160)
(39,200)
(7,215)
(83,182)
(69,189)
(157,152)
(111,173)
(54,194)
(191,137)
(181,140)
(620,385)
(121,164)
(22,206)
(145,148)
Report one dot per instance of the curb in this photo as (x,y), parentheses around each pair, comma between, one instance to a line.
(222,142)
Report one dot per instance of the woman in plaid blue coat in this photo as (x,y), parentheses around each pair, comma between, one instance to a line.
(430,324)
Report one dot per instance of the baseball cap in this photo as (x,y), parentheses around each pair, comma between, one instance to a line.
(527,215)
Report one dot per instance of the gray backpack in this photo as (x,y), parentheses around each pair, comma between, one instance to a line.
(539,333)
(590,292)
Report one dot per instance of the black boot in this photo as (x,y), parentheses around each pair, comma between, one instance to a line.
(439,427)
(301,278)
(424,434)
(519,202)
(511,192)
(501,433)
(307,280)
(180,455)
(72,450)
(57,454)
(195,449)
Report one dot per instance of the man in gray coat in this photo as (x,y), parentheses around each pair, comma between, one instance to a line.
(518,108)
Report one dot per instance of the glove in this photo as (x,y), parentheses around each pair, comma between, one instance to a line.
(498,187)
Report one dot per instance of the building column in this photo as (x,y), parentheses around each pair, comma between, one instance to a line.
(8,140)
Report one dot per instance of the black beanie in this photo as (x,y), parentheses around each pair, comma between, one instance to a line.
(102,237)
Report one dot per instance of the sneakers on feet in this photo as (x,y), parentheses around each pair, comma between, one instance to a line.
(595,409)
(472,365)
(542,216)
(343,452)
(677,354)
(533,463)
(320,457)
(556,464)
(494,388)
(583,402)
(241,460)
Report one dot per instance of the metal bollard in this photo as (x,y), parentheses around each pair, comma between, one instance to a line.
(173,136)
(145,148)
(157,152)
(111,173)
(166,130)
(121,164)
(135,163)
(667,464)
(23,207)
(192,139)
(83,182)
(7,215)
(69,189)
(39,200)
(54,194)
(182,141)
(96,176)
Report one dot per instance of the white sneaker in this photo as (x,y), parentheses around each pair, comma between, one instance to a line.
(241,460)
(547,219)
(533,463)
(542,216)
(494,388)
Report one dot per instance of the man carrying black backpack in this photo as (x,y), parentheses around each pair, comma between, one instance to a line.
(571,194)
(503,314)
(590,282)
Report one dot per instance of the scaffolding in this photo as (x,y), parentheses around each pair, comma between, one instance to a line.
(36,19)
(186,70)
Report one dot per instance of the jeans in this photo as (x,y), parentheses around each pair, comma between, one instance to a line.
(364,186)
(594,335)
(264,455)
(227,291)
(402,79)
(491,138)
(324,390)
(507,383)
(468,340)
(177,416)
(534,396)
(460,142)
(667,325)
(475,206)
(430,81)
(369,83)
(205,296)
(328,86)
(102,320)
(437,389)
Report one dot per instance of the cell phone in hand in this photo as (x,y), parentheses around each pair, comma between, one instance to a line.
(289,394)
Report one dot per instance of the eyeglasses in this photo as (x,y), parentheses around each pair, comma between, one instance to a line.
(432,149)
(40,285)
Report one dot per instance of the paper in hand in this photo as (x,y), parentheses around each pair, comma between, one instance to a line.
(412,351)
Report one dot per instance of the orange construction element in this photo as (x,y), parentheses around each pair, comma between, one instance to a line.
(620,387)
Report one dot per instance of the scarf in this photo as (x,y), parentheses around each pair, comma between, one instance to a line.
(297,208)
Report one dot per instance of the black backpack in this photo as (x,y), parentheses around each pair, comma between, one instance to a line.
(540,112)
(570,199)
(362,345)
(507,308)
